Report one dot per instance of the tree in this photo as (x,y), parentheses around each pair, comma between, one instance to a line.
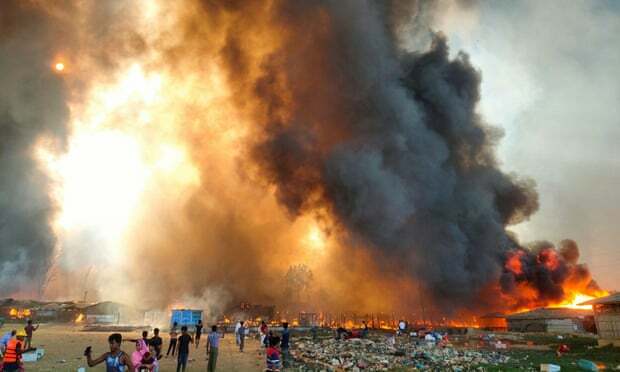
(298,280)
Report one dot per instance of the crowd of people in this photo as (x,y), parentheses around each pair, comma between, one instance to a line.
(149,351)
(14,344)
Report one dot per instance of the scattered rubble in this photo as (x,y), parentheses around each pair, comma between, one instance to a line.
(381,354)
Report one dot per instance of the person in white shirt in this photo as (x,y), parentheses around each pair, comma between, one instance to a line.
(402,327)
(237,326)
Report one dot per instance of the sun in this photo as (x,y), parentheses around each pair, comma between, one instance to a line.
(59,66)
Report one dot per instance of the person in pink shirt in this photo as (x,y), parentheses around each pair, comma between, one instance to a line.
(136,356)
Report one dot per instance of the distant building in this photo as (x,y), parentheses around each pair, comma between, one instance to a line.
(112,313)
(607,318)
(552,320)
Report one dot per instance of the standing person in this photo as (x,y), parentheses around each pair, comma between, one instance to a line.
(198,332)
(183,354)
(263,334)
(13,353)
(402,327)
(156,342)
(314,332)
(137,355)
(273,355)
(150,359)
(241,336)
(364,329)
(213,345)
(115,360)
(29,328)
(173,339)
(284,346)
(237,326)
(5,339)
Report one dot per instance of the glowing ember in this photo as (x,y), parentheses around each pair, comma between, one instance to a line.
(79,318)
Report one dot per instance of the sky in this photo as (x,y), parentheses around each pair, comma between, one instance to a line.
(550,79)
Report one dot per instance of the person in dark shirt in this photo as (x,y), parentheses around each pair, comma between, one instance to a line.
(173,339)
(184,340)
(198,332)
(241,334)
(284,345)
(29,331)
(156,342)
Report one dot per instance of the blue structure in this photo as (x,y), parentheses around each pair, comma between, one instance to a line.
(186,317)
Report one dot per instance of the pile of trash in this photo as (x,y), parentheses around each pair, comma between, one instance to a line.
(382,354)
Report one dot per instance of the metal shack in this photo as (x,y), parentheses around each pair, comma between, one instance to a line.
(185,317)
(607,318)
(552,320)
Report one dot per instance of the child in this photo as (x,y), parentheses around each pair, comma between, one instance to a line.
(149,361)
(273,354)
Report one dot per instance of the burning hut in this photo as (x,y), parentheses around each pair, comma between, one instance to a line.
(59,311)
(493,322)
(251,312)
(607,318)
(17,310)
(552,320)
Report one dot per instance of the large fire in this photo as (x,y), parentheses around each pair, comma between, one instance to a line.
(550,277)
(218,153)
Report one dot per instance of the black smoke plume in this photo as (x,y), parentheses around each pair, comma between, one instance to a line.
(388,140)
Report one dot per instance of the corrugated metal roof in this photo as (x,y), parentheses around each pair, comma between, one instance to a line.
(611,299)
(550,313)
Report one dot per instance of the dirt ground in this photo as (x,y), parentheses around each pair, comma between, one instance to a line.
(64,347)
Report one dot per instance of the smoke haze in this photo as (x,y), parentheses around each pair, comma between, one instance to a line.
(32,107)
(215,144)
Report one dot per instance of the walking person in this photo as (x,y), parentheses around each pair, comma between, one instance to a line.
(241,335)
(263,334)
(29,328)
(213,345)
(183,353)
(198,332)
(116,360)
(237,326)
(173,339)
(285,344)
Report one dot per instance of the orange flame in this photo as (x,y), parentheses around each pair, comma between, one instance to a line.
(514,262)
